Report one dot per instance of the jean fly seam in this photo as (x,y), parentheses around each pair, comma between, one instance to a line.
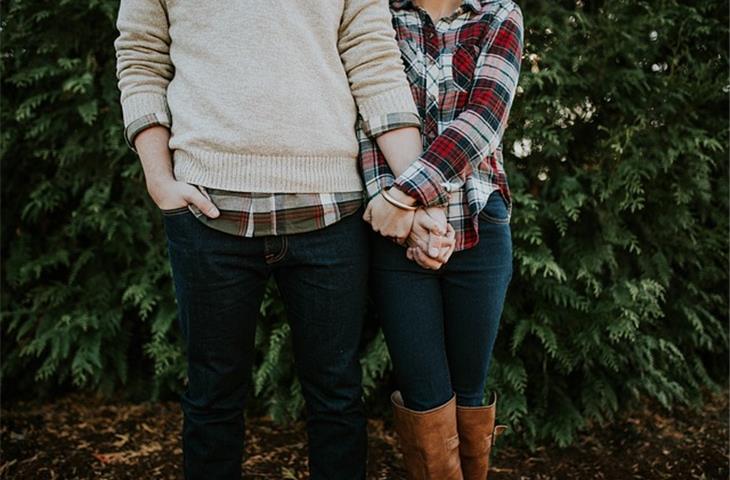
(282,252)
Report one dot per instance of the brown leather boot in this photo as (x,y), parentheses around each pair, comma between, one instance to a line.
(429,440)
(477,434)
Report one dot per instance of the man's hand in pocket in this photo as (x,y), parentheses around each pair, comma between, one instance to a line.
(170,193)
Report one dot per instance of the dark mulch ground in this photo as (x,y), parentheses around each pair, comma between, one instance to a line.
(80,437)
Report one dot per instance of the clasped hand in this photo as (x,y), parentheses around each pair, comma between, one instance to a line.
(429,238)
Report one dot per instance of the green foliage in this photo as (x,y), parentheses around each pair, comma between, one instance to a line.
(616,154)
(621,214)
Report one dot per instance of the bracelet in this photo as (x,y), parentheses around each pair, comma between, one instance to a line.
(395,202)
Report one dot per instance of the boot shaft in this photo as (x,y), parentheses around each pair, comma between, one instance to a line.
(477,434)
(429,440)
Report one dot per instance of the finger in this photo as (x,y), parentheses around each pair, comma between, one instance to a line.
(426,261)
(409,253)
(451,252)
(439,218)
(447,251)
(450,233)
(418,260)
(436,244)
(402,237)
(414,240)
(368,215)
(399,229)
(415,257)
(447,257)
(447,242)
(202,202)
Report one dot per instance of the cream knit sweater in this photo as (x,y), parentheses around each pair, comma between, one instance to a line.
(262,95)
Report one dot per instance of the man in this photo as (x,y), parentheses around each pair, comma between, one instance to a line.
(243,115)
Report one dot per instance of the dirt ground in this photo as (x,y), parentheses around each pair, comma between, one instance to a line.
(81,437)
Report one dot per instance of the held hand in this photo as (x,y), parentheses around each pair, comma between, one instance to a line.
(389,220)
(429,230)
(448,242)
(171,193)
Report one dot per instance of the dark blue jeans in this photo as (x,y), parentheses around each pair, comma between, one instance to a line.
(219,284)
(440,325)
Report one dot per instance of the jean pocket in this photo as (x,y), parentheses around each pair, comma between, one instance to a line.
(175,211)
(495,211)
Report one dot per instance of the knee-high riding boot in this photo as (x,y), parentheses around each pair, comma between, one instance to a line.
(477,434)
(429,440)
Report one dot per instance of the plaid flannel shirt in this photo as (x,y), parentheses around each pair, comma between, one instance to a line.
(463,72)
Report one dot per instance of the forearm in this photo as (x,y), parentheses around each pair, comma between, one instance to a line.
(400,148)
(155,154)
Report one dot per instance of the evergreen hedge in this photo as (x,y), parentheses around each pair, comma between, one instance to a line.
(616,154)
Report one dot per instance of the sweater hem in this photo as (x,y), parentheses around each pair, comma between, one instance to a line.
(268,173)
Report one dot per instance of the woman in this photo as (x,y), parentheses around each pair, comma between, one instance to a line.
(440,303)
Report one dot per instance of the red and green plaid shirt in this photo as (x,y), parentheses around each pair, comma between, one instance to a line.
(463,72)
(257,214)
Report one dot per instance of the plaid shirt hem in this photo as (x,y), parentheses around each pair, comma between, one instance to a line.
(262,214)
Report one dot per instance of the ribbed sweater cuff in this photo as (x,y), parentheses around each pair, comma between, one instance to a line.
(383,112)
(140,104)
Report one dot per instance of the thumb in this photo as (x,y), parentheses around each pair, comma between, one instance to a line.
(203,203)
(436,244)
(450,232)
(367,214)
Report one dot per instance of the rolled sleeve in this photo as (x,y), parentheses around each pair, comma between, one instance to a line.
(376,184)
(372,61)
(425,182)
(143,65)
(389,111)
(142,123)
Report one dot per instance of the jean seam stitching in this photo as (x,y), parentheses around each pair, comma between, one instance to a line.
(492,219)
(284,250)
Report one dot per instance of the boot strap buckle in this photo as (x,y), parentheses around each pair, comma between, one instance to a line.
(498,430)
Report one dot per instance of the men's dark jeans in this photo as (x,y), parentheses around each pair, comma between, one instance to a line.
(441,326)
(219,284)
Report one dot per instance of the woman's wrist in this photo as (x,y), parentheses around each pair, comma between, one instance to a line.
(400,196)
(396,201)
